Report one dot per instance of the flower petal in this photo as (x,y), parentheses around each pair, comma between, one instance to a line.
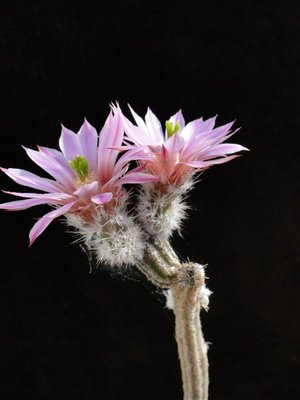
(178,119)
(175,143)
(102,198)
(110,136)
(135,134)
(205,140)
(196,127)
(55,168)
(50,196)
(137,153)
(26,178)
(85,191)
(137,177)
(139,120)
(43,222)
(56,154)
(154,128)
(59,158)
(216,133)
(222,149)
(69,144)
(88,138)
(208,124)
(191,129)
(109,185)
(18,205)
(208,163)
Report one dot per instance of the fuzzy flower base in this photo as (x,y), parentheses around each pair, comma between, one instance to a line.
(161,212)
(113,238)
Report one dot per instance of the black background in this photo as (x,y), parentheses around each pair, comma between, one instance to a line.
(68,334)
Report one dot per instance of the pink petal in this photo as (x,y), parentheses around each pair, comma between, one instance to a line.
(69,144)
(175,143)
(154,128)
(85,191)
(26,178)
(221,137)
(216,133)
(140,122)
(59,158)
(43,222)
(102,198)
(109,185)
(165,155)
(56,154)
(54,167)
(125,147)
(206,164)
(155,149)
(131,155)
(24,204)
(222,160)
(134,133)
(110,136)
(178,119)
(88,138)
(198,126)
(208,124)
(222,149)
(138,168)
(50,196)
(206,141)
(137,177)
(191,129)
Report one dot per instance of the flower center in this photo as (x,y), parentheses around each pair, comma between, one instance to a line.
(81,166)
(171,128)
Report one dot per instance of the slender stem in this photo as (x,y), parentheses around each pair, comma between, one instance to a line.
(192,348)
(187,283)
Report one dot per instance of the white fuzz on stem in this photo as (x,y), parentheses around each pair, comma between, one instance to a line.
(114,238)
(169,299)
(204,297)
(162,212)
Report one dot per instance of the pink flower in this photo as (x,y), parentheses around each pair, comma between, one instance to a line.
(86,172)
(181,149)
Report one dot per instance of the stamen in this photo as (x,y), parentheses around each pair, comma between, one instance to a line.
(171,129)
(81,166)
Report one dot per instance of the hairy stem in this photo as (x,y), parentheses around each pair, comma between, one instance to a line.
(192,348)
(187,285)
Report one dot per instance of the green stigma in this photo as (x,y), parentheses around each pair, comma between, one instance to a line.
(171,129)
(81,166)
